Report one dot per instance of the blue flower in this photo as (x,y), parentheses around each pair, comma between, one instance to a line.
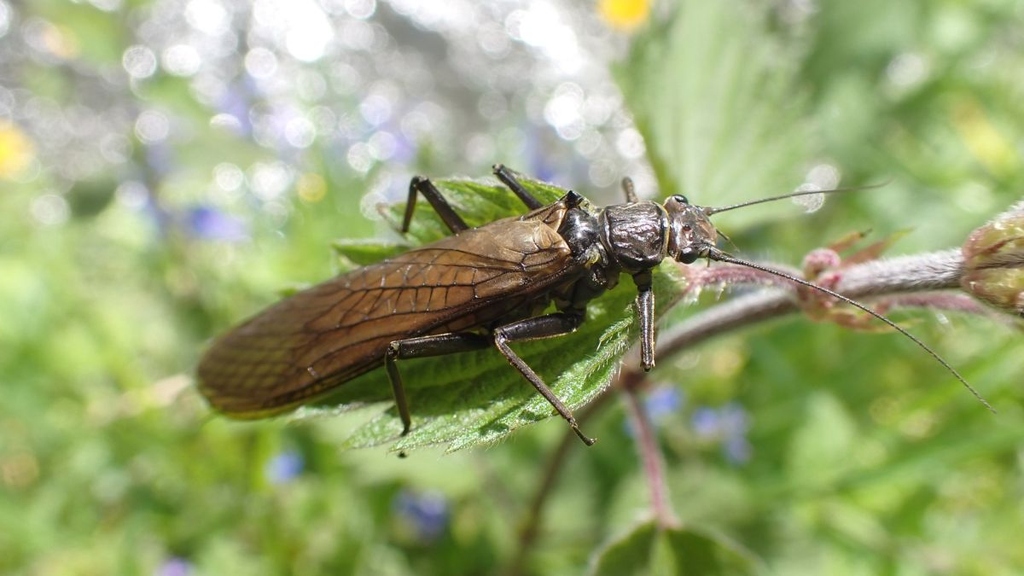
(426,513)
(728,426)
(659,405)
(175,566)
(284,467)
(206,223)
(663,402)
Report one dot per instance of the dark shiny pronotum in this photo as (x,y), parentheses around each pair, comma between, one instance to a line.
(480,287)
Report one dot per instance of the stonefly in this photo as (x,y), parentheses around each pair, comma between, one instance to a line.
(478,288)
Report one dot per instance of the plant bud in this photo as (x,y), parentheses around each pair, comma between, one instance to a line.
(994,262)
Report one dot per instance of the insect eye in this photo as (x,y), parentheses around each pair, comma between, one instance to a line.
(681,199)
(688,258)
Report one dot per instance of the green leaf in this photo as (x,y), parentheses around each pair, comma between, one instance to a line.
(356,253)
(475,398)
(648,549)
(824,441)
(720,112)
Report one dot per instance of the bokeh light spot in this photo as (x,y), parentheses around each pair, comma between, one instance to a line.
(260,63)
(300,132)
(361,9)
(139,62)
(227,122)
(152,126)
(228,177)
(826,176)
(376,109)
(269,180)
(563,111)
(115,148)
(630,143)
(181,60)
(311,187)
(132,194)
(5,18)
(383,145)
(907,69)
(811,202)
(207,16)
(309,31)
(50,209)
(359,157)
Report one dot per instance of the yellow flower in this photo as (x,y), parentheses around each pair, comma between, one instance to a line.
(16,150)
(624,15)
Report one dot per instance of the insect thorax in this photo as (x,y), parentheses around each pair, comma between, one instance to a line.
(635,235)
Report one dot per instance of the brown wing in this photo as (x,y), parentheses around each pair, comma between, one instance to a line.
(318,339)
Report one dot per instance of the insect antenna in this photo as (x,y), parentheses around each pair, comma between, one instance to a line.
(721,256)
(723,236)
(709,210)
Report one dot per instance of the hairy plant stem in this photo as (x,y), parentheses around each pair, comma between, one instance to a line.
(906,281)
(650,457)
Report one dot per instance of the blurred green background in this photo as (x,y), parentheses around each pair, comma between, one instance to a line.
(167,167)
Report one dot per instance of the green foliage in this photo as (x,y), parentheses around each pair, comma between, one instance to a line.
(863,456)
(722,114)
(647,549)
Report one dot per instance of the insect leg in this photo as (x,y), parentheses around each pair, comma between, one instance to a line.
(422,347)
(508,178)
(557,324)
(645,312)
(630,190)
(424,186)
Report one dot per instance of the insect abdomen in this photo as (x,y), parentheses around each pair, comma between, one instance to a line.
(320,338)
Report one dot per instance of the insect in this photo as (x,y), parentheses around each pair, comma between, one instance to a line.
(480,287)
